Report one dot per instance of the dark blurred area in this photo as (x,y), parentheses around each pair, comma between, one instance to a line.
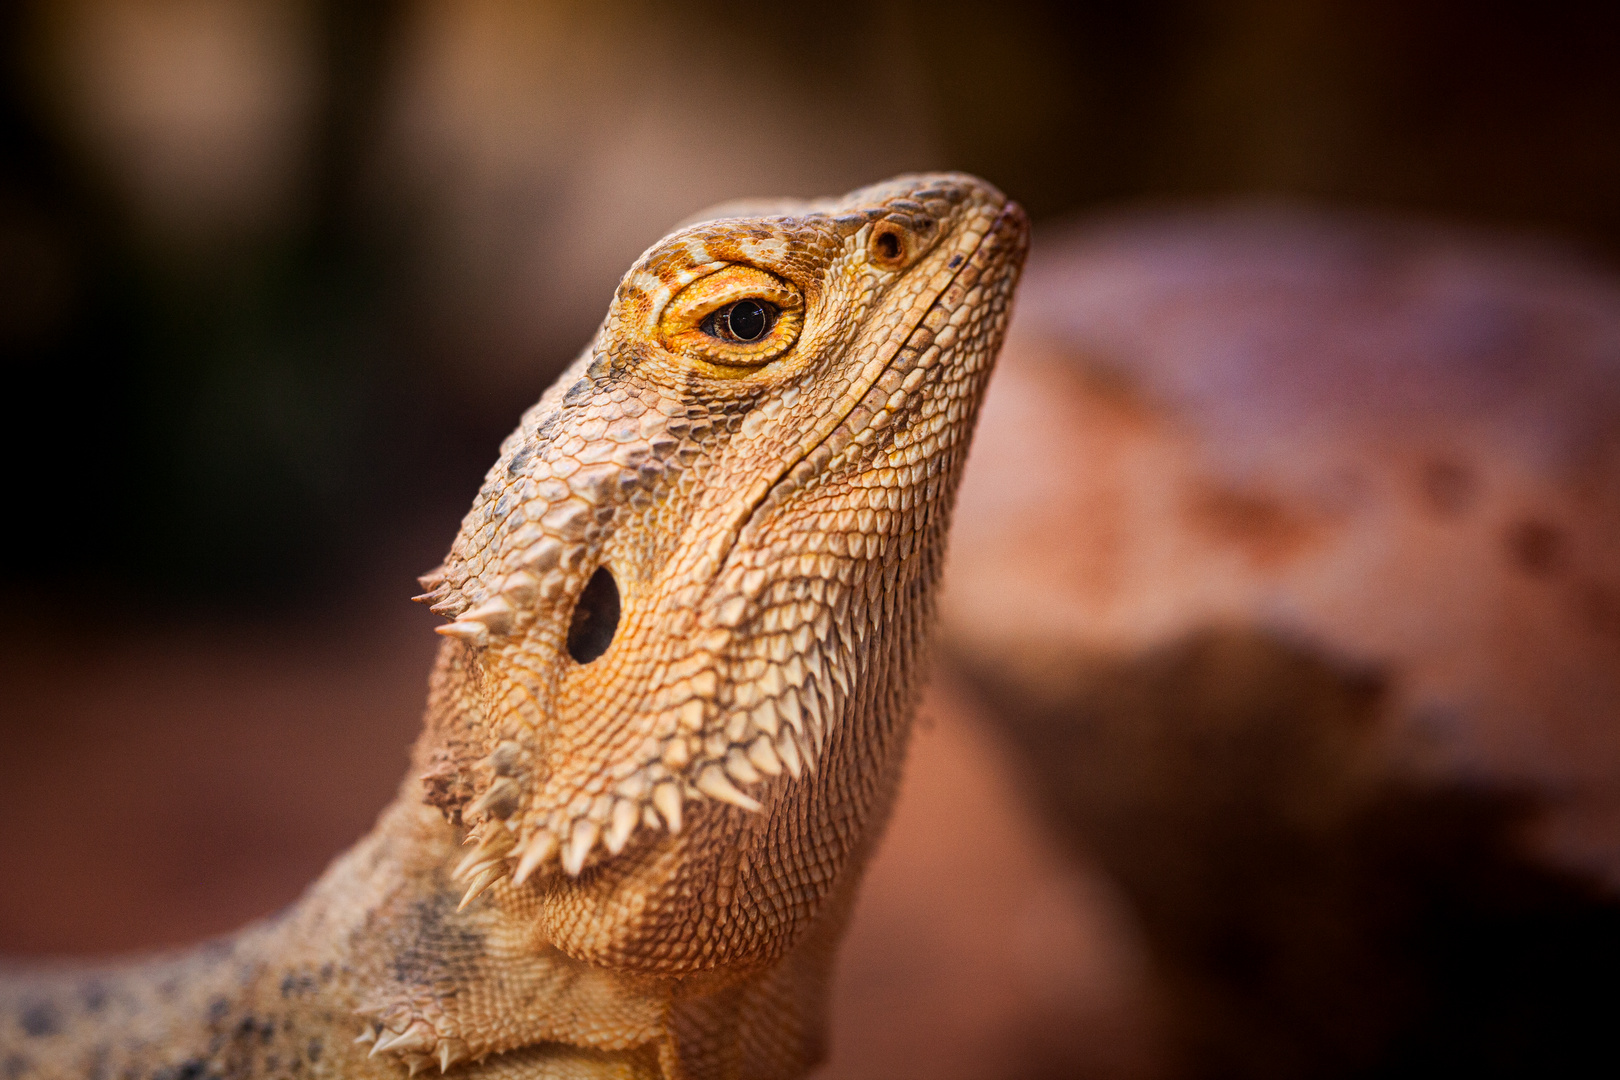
(276,277)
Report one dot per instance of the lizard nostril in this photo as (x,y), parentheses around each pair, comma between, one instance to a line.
(888,246)
(596,617)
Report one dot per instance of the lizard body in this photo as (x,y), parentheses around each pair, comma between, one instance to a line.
(689,613)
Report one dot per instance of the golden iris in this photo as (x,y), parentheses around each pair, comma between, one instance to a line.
(739,316)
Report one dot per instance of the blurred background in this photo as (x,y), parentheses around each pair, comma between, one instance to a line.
(276,277)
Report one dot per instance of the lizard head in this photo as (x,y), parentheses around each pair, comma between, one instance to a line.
(690,602)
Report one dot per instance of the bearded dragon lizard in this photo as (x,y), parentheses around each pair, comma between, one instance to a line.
(689,611)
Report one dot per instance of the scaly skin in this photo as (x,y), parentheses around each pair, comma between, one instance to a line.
(668,835)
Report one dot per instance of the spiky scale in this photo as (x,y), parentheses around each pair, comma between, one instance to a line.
(482,880)
(541,848)
(495,844)
(787,747)
(712,782)
(623,822)
(667,799)
(740,768)
(451,1051)
(500,800)
(471,631)
(419,1036)
(581,838)
(763,756)
(496,615)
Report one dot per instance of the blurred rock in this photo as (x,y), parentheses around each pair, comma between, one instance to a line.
(1288,553)
(978,948)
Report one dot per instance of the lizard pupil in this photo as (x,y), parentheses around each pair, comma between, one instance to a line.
(747,320)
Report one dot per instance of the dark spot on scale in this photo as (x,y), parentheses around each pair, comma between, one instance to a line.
(313,1051)
(956,260)
(94,996)
(1536,547)
(190,1069)
(520,459)
(13,1067)
(218,1009)
(298,984)
(250,1026)
(41,1018)
(431,932)
(578,392)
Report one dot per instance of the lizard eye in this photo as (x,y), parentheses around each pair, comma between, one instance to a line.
(735,318)
(746,320)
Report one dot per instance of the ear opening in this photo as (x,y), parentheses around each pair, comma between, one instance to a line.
(596,617)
